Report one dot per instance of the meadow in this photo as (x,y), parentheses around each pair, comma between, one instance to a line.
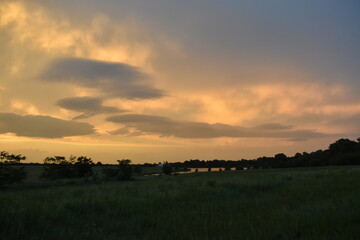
(298,203)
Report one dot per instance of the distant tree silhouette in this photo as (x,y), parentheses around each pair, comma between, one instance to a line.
(83,166)
(341,152)
(125,168)
(123,171)
(59,167)
(10,171)
(343,146)
(167,169)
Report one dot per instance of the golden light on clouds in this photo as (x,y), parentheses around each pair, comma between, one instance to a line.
(180,86)
(37,29)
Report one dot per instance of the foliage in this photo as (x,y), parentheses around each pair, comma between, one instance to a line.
(341,152)
(110,172)
(125,169)
(83,166)
(121,172)
(10,171)
(167,169)
(60,167)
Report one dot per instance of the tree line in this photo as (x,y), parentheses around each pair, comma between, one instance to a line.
(341,152)
(58,167)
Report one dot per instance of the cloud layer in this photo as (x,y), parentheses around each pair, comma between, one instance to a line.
(110,79)
(148,124)
(42,126)
(88,106)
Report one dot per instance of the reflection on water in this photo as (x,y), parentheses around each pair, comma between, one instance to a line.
(194,170)
(207,170)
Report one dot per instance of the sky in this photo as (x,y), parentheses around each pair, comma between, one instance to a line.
(160,80)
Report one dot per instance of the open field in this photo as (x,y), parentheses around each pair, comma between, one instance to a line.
(308,203)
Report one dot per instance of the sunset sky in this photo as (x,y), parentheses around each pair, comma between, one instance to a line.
(160,80)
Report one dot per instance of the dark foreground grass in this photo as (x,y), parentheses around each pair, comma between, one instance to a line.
(316,203)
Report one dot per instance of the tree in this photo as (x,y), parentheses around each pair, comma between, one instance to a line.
(125,168)
(10,172)
(167,169)
(58,167)
(342,146)
(83,166)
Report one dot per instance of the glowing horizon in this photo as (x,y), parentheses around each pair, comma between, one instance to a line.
(170,82)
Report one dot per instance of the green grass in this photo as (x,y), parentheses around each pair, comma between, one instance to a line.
(312,203)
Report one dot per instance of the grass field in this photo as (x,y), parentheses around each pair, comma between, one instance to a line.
(312,203)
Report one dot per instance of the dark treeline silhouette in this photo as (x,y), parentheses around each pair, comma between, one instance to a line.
(60,167)
(122,171)
(10,171)
(341,152)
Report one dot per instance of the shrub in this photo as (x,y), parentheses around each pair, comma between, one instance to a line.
(121,172)
(167,169)
(10,172)
(110,172)
(125,168)
(83,166)
(60,167)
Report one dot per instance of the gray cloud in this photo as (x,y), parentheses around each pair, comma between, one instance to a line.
(111,79)
(42,126)
(88,106)
(148,124)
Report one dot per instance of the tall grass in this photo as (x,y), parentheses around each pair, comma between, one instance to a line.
(315,203)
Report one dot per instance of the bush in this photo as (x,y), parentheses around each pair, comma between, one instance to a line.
(121,172)
(125,168)
(60,167)
(83,166)
(167,169)
(110,172)
(10,171)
